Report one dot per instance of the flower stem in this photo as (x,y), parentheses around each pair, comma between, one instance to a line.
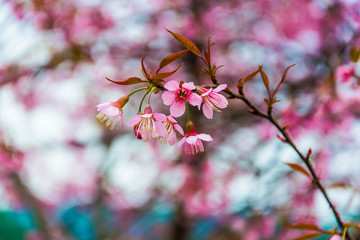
(137,90)
(142,100)
(187,112)
(153,89)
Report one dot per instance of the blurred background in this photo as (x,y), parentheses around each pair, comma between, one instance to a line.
(64,175)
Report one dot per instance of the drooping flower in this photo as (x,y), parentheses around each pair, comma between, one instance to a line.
(171,125)
(149,125)
(112,112)
(193,139)
(213,100)
(178,95)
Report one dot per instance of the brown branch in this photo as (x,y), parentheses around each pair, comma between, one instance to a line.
(268,116)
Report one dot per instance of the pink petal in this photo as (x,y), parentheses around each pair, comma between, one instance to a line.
(122,120)
(191,139)
(189,86)
(111,111)
(135,120)
(172,140)
(221,102)
(147,115)
(205,137)
(207,110)
(179,129)
(171,119)
(181,142)
(220,87)
(206,92)
(102,106)
(160,117)
(160,128)
(172,85)
(168,97)
(177,108)
(195,99)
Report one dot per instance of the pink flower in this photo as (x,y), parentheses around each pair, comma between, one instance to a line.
(193,139)
(344,73)
(177,96)
(112,112)
(213,100)
(171,125)
(149,125)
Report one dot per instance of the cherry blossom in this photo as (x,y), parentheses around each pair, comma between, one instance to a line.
(213,100)
(171,125)
(149,125)
(112,112)
(193,139)
(178,95)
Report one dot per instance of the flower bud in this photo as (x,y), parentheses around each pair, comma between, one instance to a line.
(137,132)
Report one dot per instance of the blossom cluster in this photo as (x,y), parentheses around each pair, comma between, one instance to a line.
(149,125)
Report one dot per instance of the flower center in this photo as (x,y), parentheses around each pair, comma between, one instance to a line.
(182,93)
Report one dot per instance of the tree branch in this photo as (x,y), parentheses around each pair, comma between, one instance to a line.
(268,116)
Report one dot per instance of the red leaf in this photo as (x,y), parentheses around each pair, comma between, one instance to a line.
(282,79)
(161,76)
(207,55)
(240,83)
(186,42)
(129,81)
(304,226)
(207,51)
(143,67)
(300,169)
(265,79)
(251,75)
(171,58)
(308,236)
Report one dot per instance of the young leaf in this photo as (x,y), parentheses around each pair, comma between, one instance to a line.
(129,81)
(240,83)
(267,102)
(161,76)
(280,137)
(251,75)
(207,55)
(300,169)
(171,58)
(207,51)
(265,79)
(308,236)
(305,226)
(186,42)
(143,67)
(286,127)
(282,79)
(309,153)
